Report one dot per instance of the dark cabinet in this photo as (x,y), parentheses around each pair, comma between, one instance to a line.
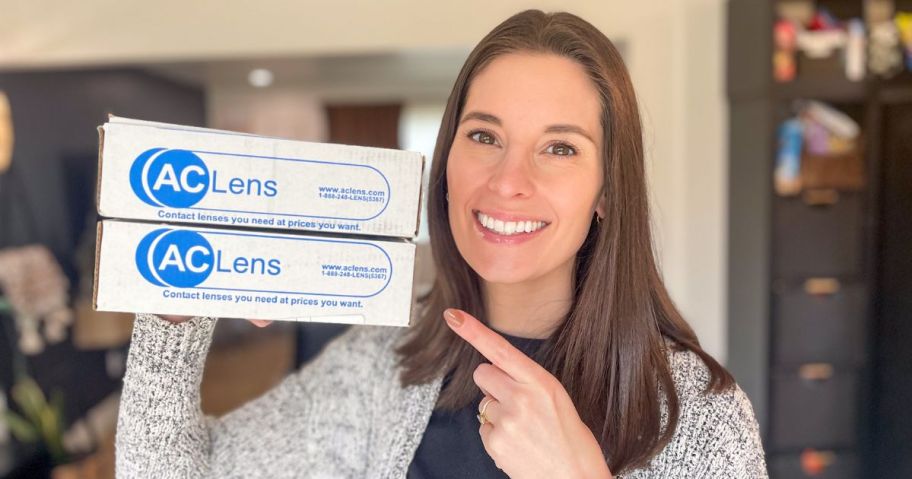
(818,234)
(819,320)
(813,407)
(819,281)
(825,464)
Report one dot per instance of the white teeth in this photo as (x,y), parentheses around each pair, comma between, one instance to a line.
(509,227)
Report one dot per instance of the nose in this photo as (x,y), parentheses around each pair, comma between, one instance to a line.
(511,176)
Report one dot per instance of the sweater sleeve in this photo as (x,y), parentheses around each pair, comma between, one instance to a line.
(736,450)
(161,431)
(717,434)
(315,420)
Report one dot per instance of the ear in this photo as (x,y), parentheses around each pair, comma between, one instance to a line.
(600,206)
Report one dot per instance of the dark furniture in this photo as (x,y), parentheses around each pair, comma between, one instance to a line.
(820,296)
(48,198)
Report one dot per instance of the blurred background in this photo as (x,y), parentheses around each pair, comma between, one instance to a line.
(777,136)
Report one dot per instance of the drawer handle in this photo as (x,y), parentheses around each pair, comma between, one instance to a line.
(821,286)
(816,371)
(814,462)
(821,197)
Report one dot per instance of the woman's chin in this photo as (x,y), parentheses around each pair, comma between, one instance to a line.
(502,272)
(504,279)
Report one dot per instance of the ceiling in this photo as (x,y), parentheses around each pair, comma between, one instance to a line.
(417,73)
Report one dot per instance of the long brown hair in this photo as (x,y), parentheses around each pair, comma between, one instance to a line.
(609,352)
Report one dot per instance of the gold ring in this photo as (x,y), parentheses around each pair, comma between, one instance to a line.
(481,415)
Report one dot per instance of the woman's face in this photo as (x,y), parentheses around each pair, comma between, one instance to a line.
(524,173)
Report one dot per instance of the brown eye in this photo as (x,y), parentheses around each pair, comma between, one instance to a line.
(482,137)
(561,149)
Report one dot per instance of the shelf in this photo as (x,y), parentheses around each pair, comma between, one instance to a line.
(895,90)
(825,89)
(838,89)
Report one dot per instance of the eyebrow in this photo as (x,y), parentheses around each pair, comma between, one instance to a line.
(560,128)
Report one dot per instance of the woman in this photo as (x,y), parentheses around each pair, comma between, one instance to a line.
(548,322)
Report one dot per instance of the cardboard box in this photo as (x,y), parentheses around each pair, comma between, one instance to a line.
(194,271)
(177,174)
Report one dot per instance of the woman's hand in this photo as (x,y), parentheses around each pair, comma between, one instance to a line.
(532,428)
(262,323)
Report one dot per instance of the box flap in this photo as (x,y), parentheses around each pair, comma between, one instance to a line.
(98,232)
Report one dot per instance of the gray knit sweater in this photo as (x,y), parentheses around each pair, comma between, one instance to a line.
(345,415)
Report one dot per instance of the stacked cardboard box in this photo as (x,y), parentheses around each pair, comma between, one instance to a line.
(215,223)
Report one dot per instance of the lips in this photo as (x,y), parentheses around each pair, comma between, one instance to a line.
(508,228)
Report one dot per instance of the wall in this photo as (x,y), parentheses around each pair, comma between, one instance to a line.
(675,50)
(47,196)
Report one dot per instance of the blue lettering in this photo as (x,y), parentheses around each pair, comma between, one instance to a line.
(275,267)
(179,258)
(218,263)
(245,265)
(215,188)
(271,188)
(236,186)
(240,264)
(249,187)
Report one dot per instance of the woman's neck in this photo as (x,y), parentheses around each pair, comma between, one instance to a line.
(531,309)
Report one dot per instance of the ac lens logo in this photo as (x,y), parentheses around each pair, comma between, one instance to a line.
(178,258)
(174,178)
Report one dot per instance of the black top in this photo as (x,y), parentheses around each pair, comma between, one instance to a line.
(451,446)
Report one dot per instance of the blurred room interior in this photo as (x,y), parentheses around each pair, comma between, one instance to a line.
(778,164)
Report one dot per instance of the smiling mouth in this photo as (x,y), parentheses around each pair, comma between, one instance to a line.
(509,228)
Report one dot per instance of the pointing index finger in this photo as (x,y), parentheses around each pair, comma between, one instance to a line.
(492,345)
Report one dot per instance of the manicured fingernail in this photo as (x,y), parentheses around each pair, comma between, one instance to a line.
(452,318)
